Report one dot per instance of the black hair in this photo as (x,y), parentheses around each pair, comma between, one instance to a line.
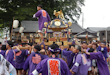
(30,44)
(37,47)
(40,6)
(84,42)
(62,43)
(10,43)
(54,46)
(0,42)
(3,47)
(23,44)
(71,45)
(91,50)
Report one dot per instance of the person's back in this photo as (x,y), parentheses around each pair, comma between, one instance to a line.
(20,58)
(43,17)
(53,66)
(10,56)
(35,58)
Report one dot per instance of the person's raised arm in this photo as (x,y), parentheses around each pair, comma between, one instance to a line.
(37,14)
(97,55)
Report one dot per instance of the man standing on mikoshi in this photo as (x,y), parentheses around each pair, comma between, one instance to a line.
(43,17)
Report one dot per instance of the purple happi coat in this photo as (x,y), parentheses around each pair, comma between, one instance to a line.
(101,63)
(32,61)
(10,56)
(2,52)
(43,17)
(81,65)
(71,57)
(26,64)
(53,66)
(103,51)
(20,58)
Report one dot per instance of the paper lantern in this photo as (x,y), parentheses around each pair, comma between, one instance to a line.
(21,29)
(15,23)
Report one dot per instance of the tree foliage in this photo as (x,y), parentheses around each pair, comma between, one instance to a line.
(24,9)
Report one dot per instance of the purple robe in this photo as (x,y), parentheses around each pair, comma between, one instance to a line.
(87,49)
(104,51)
(32,61)
(101,63)
(26,64)
(53,66)
(71,57)
(81,65)
(43,17)
(20,58)
(10,56)
(2,52)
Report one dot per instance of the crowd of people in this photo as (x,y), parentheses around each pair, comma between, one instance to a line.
(30,59)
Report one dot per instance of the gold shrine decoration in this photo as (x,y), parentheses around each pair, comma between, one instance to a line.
(69,24)
(45,24)
(59,14)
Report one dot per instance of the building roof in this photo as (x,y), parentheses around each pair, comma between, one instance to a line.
(84,36)
(76,28)
(32,26)
(96,29)
(86,32)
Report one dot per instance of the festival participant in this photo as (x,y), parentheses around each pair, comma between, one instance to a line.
(10,54)
(70,55)
(43,17)
(85,45)
(26,64)
(103,49)
(20,59)
(101,62)
(94,61)
(81,65)
(3,50)
(5,67)
(34,59)
(62,56)
(53,65)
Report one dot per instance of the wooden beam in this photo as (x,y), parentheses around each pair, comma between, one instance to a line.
(11,31)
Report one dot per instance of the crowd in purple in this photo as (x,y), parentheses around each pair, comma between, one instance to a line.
(84,59)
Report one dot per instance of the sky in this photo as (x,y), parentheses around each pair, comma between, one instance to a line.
(96,13)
